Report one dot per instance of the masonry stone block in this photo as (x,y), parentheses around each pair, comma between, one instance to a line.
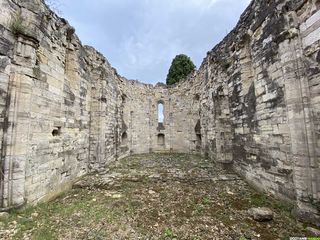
(66,112)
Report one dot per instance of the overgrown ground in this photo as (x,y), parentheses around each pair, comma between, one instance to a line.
(156,196)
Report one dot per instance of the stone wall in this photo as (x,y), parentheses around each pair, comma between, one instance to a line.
(253,104)
(260,101)
(66,112)
(59,104)
(141,124)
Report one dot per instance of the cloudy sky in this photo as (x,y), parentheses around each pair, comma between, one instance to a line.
(141,37)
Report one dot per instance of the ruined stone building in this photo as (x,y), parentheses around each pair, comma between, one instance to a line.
(254,104)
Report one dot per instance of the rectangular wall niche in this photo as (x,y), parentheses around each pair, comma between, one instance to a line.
(161,139)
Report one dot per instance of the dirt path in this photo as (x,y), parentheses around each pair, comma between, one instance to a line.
(155,196)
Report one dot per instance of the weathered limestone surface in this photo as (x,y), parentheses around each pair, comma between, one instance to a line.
(58,104)
(254,104)
(260,101)
(140,118)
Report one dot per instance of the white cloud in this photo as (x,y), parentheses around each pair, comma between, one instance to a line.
(140,38)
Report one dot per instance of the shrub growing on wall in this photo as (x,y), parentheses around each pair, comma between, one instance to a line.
(17,24)
(181,67)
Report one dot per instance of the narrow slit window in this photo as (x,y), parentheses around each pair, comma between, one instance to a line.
(160,112)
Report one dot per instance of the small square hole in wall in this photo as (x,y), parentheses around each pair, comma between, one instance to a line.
(56,131)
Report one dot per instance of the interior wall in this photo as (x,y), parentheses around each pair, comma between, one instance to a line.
(254,104)
(60,105)
(258,101)
(177,132)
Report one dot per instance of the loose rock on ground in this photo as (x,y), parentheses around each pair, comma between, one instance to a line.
(155,196)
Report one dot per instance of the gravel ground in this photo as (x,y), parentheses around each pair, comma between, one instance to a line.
(155,196)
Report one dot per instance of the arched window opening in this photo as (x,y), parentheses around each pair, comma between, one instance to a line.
(160,112)
(124,138)
(197,130)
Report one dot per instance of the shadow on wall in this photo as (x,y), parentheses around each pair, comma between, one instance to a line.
(197,130)
(124,139)
(124,142)
(161,140)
